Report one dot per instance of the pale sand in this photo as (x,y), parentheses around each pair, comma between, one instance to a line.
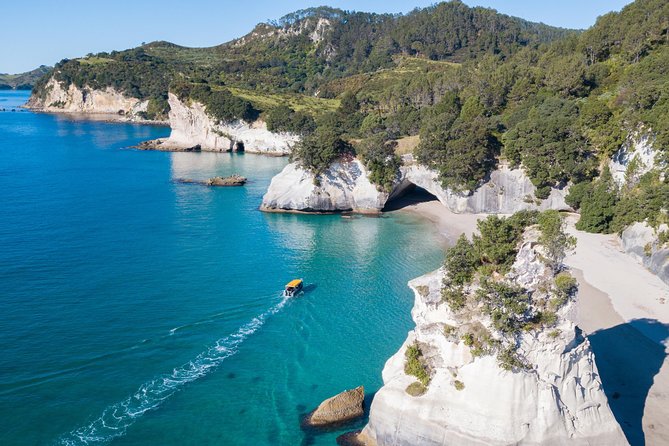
(622,309)
(449,224)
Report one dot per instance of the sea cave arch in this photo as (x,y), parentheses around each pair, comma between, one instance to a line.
(406,194)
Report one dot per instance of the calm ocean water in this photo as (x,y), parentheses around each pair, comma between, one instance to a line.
(139,311)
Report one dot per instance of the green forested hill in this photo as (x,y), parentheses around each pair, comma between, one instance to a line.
(302,51)
(23,81)
(477,86)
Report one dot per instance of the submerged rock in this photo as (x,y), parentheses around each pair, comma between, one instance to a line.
(340,408)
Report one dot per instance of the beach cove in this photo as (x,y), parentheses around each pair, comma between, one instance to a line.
(136,307)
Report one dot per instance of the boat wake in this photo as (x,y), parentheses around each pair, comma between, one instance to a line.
(115,419)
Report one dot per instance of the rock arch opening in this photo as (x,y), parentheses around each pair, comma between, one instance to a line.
(239,146)
(407,195)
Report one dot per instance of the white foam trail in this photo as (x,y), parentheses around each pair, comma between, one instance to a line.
(115,419)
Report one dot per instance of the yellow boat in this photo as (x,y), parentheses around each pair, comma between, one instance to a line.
(293,287)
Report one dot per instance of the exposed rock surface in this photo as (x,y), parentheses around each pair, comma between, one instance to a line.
(340,408)
(345,186)
(558,401)
(636,157)
(641,242)
(73,99)
(192,126)
(233,180)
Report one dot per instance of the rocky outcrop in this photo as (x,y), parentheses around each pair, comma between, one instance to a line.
(345,186)
(57,98)
(340,408)
(471,400)
(636,157)
(642,242)
(192,126)
(232,180)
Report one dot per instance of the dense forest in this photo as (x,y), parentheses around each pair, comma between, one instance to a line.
(478,87)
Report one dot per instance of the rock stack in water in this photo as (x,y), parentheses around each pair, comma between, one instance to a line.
(233,180)
(338,409)
(459,379)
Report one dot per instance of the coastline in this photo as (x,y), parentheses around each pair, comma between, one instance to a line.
(621,306)
(98,117)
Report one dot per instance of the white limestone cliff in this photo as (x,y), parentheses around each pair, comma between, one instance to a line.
(345,187)
(642,242)
(192,126)
(558,401)
(635,157)
(113,104)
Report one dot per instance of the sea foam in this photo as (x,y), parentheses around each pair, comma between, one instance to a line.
(115,419)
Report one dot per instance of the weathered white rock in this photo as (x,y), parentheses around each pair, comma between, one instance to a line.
(192,126)
(641,242)
(507,191)
(86,100)
(636,157)
(560,401)
(345,186)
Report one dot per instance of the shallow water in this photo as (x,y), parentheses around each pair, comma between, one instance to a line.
(137,310)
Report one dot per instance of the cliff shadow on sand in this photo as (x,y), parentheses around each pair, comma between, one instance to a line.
(628,362)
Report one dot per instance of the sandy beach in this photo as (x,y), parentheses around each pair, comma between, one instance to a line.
(623,309)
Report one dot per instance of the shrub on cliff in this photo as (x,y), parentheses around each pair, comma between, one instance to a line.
(318,150)
(219,103)
(555,241)
(415,364)
(378,155)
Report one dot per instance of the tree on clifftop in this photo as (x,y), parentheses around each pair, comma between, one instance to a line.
(318,150)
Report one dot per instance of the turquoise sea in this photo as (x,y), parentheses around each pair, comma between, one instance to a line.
(135,310)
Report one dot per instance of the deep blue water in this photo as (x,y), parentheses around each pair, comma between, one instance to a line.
(136,310)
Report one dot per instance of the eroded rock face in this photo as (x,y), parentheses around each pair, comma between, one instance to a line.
(636,157)
(507,191)
(340,408)
(343,187)
(641,242)
(558,401)
(191,126)
(73,99)
(346,187)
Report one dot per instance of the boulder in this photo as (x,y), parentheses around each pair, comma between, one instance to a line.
(340,408)
(233,180)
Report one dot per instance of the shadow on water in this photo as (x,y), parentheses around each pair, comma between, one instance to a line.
(628,361)
(309,287)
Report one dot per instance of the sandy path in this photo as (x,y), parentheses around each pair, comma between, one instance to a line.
(624,310)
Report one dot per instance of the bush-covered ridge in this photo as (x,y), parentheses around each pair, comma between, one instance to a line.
(478,87)
(281,56)
(477,285)
(22,81)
